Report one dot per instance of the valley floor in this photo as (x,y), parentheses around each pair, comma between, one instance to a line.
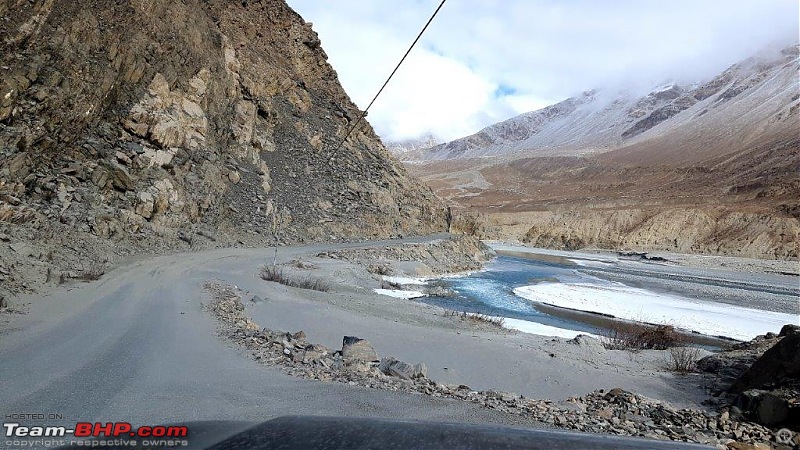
(138,346)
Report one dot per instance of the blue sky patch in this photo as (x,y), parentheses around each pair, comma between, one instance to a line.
(504,90)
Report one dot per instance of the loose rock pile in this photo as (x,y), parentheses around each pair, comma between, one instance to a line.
(615,411)
(760,379)
(729,365)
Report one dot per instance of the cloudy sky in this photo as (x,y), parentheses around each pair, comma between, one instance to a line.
(482,61)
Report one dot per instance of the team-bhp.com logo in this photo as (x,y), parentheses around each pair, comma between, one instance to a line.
(122,434)
(87,429)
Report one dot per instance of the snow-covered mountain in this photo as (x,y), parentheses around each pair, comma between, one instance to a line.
(754,97)
(408,145)
(711,168)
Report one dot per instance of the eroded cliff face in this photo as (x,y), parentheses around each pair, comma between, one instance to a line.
(145,120)
(681,230)
(751,234)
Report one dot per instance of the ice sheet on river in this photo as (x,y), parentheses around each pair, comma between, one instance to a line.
(399,293)
(625,302)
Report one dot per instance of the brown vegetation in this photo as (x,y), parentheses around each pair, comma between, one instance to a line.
(634,336)
(277,274)
(684,359)
(475,317)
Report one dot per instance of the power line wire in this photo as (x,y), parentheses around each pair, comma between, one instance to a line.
(364,113)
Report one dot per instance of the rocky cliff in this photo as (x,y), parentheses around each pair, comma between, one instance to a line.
(150,124)
(682,229)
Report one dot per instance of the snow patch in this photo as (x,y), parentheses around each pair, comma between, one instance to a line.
(398,293)
(405,280)
(624,302)
(590,263)
(543,330)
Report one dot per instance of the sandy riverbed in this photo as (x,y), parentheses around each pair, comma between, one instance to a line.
(456,351)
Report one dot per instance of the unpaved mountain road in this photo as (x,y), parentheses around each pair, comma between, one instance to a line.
(136,346)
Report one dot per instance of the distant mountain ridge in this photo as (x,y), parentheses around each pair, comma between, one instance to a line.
(596,121)
(706,168)
(399,147)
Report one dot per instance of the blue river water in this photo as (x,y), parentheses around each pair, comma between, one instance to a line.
(490,291)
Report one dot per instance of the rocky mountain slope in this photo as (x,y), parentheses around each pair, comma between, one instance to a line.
(147,125)
(711,168)
(763,87)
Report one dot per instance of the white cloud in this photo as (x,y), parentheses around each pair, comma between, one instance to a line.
(432,93)
(482,61)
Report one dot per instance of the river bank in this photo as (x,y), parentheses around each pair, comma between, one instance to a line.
(574,380)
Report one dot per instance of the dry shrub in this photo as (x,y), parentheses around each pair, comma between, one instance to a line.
(475,317)
(276,274)
(683,359)
(634,336)
(491,320)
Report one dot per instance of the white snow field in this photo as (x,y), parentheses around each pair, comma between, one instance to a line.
(625,302)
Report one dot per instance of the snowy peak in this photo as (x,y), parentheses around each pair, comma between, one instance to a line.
(597,121)
(401,147)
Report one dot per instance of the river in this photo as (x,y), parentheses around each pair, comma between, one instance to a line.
(556,293)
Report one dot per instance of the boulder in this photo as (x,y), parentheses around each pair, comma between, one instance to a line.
(400,369)
(243,121)
(100,177)
(440,291)
(120,178)
(145,204)
(166,197)
(395,368)
(197,85)
(22,248)
(765,408)
(234,177)
(420,370)
(123,158)
(355,349)
(191,108)
(134,147)
(779,366)
(315,353)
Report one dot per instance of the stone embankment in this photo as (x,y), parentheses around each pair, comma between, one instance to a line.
(615,411)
